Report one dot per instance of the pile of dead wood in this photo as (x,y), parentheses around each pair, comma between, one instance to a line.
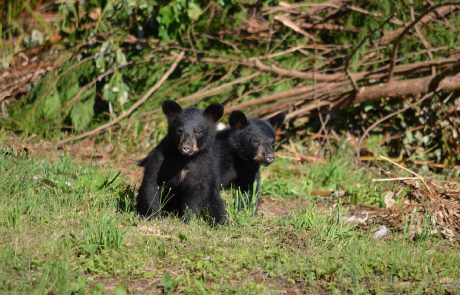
(323,86)
(431,207)
(329,87)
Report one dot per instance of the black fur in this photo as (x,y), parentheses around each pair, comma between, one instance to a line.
(243,147)
(181,173)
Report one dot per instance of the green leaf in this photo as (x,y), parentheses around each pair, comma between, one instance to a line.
(116,91)
(165,16)
(51,105)
(108,94)
(82,114)
(194,11)
(89,93)
(71,91)
(120,57)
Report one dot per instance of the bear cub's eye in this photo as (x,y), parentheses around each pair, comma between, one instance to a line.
(180,130)
(198,131)
(256,141)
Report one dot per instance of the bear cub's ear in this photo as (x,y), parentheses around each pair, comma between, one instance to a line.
(238,120)
(277,120)
(214,112)
(171,108)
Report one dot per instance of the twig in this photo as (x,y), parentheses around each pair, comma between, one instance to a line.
(353,82)
(425,42)
(293,26)
(131,109)
(414,162)
(287,51)
(219,89)
(307,108)
(284,6)
(256,89)
(272,97)
(410,171)
(329,27)
(388,138)
(306,75)
(324,128)
(375,14)
(393,179)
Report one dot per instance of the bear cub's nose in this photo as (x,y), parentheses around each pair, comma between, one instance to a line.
(269,159)
(186,150)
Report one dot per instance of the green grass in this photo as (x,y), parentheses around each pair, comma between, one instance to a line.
(68,226)
(338,173)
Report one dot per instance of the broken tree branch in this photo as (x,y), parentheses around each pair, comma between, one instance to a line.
(408,28)
(431,16)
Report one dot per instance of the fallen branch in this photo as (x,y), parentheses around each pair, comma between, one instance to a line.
(131,109)
(405,88)
(338,95)
(19,80)
(425,20)
(409,27)
(317,76)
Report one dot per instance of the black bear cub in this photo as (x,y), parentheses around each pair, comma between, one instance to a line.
(243,147)
(181,173)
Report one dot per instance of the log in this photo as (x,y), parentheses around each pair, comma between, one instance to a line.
(405,88)
(340,95)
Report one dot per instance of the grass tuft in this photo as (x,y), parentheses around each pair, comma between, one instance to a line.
(102,233)
(318,225)
(241,206)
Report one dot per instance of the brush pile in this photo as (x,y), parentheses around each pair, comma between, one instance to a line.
(347,74)
(439,202)
(345,63)
(430,207)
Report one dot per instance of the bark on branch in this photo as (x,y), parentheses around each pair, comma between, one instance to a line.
(404,88)
(302,100)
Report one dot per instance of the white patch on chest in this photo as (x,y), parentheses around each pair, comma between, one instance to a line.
(183,174)
(220,126)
